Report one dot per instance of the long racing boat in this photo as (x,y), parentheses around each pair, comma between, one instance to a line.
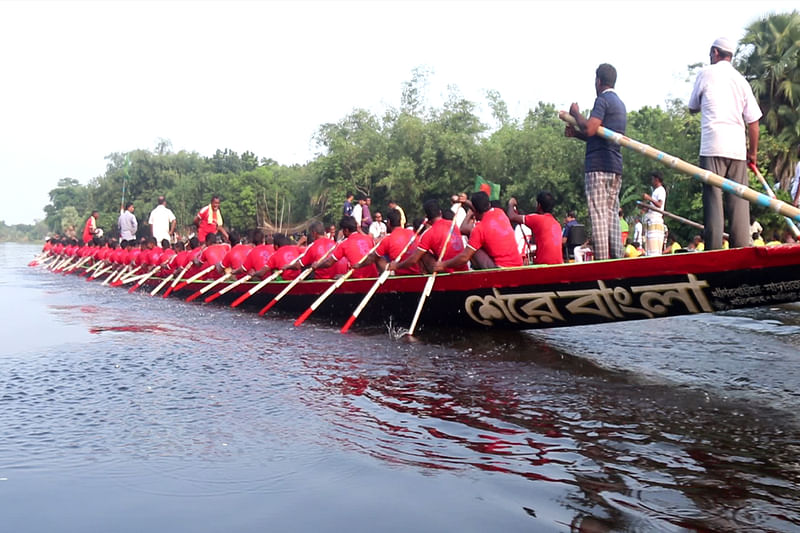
(550,296)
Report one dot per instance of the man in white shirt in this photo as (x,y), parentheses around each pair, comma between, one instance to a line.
(728,105)
(654,221)
(377,230)
(357,210)
(162,221)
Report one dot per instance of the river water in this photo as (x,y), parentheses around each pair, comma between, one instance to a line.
(120,412)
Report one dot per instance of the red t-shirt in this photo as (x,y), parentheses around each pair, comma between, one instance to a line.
(214,254)
(547,231)
(108,254)
(258,257)
(282,257)
(493,233)
(181,258)
(153,256)
(433,240)
(166,257)
(133,256)
(391,246)
(236,257)
(317,251)
(354,248)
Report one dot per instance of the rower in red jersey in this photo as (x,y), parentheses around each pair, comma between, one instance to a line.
(212,255)
(432,241)
(392,245)
(545,228)
(182,258)
(319,247)
(491,242)
(235,258)
(354,248)
(256,260)
(285,253)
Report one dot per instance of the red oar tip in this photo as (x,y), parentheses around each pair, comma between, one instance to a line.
(133,287)
(302,318)
(268,306)
(211,298)
(347,324)
(240,299)
(193,296)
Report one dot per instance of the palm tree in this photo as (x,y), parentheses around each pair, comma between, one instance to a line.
(769,57)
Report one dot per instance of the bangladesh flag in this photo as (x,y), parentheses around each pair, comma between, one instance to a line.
(492,189)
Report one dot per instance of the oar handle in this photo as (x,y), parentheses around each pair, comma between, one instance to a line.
(754,168)
(706,176)
(236,283)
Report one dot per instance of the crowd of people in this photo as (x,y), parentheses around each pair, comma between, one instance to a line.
(475,232)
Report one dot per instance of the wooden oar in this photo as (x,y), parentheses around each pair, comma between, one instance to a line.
(676,217)
(706,176)
(195,277)
(144,278)
(100,271)
(116,274)
(384,275)
(303,275)
(208,287)
(263,283)
(302,318)
(177,279)
(78,264)
(118,280)
(93,267)
(792,225)
(257,288)
(228,288)
(161,285)
(63,263)
(429,284)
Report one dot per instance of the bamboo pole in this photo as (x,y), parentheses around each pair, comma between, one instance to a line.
(679,218)
(706,176)
(792,225)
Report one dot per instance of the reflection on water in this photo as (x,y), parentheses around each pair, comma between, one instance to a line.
(235,422)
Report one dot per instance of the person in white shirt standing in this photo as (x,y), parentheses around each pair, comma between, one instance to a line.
(728,105)
(377,230)
(654,221)
(358,210)
(162,221)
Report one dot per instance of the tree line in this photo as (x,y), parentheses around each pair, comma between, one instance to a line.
(417,151)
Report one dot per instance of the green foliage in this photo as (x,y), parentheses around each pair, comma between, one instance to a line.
(23,232)
(770,60)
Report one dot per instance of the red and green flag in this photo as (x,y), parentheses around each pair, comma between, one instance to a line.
(490,188)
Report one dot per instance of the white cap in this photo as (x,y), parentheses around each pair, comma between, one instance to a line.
(725,45)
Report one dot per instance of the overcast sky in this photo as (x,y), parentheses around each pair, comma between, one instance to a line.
(81,80)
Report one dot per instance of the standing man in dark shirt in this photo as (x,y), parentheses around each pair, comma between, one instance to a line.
(603,163)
